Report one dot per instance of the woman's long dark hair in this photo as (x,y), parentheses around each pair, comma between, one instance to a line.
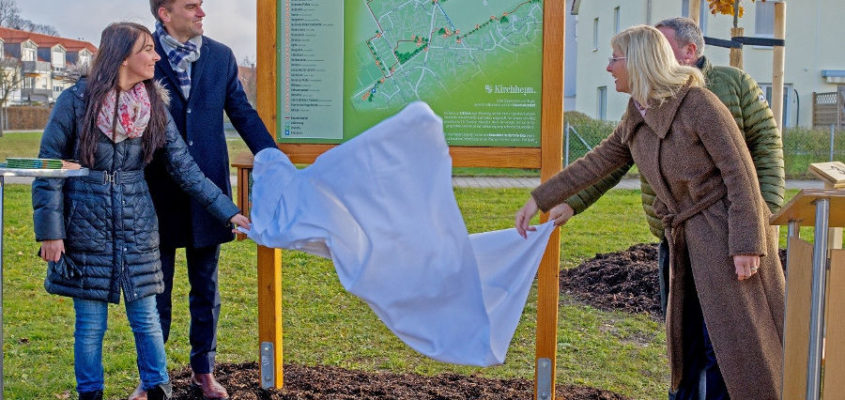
(116,45)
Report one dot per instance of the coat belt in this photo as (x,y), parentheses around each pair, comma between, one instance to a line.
(673,225)
(116,177)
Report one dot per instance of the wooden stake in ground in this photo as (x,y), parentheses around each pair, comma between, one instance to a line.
(778,60)
(695,11)
(736,52)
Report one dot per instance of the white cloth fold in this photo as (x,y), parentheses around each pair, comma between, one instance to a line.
(381,207)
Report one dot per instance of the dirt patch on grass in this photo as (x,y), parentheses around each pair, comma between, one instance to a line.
(332,383)
(624,280)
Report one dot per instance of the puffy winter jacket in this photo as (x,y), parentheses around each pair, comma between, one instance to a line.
(107,219)
(746,102)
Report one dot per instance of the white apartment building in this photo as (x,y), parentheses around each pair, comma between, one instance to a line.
(815,56)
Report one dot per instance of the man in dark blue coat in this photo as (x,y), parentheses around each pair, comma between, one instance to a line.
(202,77)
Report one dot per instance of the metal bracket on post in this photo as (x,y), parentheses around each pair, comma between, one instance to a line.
(544,379)
(268,367)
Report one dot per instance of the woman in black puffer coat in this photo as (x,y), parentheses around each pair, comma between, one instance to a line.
(100,233)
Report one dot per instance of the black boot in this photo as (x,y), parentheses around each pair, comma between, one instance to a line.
(160,392)
(96,395)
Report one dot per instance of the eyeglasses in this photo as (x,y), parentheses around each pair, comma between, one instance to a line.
(611,60)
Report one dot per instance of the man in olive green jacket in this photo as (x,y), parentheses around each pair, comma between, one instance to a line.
(746,102)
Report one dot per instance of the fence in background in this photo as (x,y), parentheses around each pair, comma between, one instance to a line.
(801,146)
(828,110)
(24,117)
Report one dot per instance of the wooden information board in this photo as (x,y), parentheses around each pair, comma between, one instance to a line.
(546,155)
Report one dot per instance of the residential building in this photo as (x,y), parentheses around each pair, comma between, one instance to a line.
(814,60)
(46,63)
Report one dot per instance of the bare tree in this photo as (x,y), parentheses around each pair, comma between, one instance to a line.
(10,80)
(10,17)
(248,79)
(9,12)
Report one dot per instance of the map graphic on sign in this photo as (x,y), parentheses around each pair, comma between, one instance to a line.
(477,63)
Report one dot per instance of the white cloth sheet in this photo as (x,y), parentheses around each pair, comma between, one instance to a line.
(381,207)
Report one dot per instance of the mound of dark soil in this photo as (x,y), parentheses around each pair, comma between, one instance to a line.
(332,383)
(625,280)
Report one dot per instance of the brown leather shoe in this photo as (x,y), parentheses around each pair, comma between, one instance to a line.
(208,387)
(138,394)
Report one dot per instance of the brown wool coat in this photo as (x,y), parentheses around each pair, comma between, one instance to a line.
(689,149)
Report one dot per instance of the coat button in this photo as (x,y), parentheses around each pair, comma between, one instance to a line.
(190,143)
(189,111)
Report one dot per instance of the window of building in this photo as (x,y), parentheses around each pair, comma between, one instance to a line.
(788,100)
(616,20)
(28,54)
(764,18)
(601,103)
(84,58)
(58,58)
(595,34)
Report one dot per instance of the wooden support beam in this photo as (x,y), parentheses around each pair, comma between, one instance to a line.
(269,260)
(554,28)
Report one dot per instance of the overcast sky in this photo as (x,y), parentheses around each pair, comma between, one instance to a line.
(229,21)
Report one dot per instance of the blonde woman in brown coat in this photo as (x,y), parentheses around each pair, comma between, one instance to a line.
(725,316)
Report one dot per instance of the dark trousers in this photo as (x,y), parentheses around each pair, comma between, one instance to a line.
(701,379)
(203,302)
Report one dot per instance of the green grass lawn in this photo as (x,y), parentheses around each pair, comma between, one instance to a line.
(19,144)
(324,325)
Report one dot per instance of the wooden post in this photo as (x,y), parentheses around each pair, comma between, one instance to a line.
(834,371)
(777,64)
(695,11)
(269,260)
(797,324)
(736,53)
(554,27)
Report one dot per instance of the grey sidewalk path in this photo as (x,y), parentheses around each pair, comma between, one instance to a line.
(503,182)
(506,182)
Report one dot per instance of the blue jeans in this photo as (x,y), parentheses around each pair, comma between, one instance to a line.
(91,325)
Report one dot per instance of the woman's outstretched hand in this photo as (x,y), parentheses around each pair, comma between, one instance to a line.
(241,221)
(523,217)
(746,266)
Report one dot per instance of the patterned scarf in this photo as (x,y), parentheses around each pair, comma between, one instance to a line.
(180,55)
(133,114)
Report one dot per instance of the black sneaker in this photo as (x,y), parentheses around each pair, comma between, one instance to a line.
(161,392)
(96,395)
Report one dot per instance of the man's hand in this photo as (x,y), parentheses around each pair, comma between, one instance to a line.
(51,250)
(241,221)
(561,213)
(746,266)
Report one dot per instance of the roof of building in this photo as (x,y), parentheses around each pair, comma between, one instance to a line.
(16,36)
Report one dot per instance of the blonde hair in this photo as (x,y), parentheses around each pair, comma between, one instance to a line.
(654,75)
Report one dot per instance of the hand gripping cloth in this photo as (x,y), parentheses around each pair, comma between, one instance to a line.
(381,207)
